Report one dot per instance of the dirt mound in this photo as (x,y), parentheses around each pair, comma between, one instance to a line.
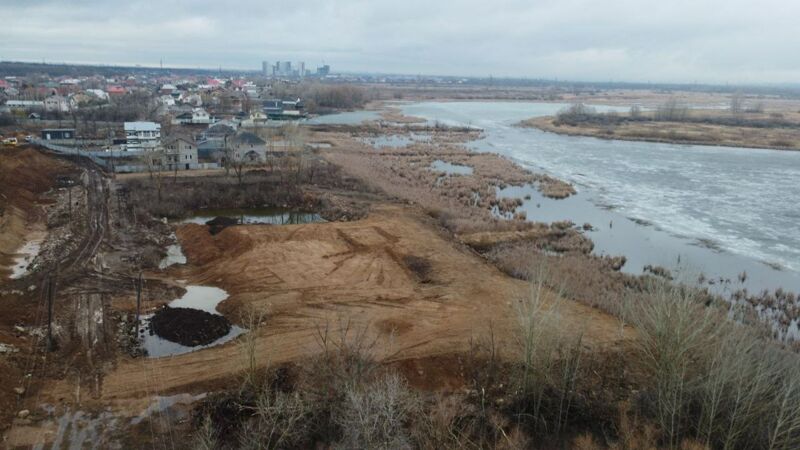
(188,326)
(217,224)
(201,246)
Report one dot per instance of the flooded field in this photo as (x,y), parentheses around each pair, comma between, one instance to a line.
(395,140)
(700,209)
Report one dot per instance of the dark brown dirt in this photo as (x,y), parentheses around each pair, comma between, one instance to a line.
(190,327)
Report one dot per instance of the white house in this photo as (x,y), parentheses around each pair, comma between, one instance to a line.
(142,135)
(197,116)
(99,93)
(56,103)
(167,100)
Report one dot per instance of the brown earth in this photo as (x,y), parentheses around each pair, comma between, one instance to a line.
(26,175)
(313,277)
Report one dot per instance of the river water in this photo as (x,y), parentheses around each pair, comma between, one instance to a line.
(718,211)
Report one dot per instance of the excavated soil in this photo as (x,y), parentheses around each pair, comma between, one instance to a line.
(26,175)
(188,326)
(316,280)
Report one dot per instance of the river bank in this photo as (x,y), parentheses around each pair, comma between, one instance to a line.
(675,133)
(619,205)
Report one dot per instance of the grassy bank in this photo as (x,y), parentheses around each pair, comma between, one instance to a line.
(775,130)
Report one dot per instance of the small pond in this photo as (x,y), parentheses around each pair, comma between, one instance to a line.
(255,216)
(450,168)
(203,298)
(174,256)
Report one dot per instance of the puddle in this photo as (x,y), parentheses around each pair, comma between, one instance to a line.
(163,405)
(396,140)
(319,145)
(255,216)
(174,256)
(451,169)
(24,258)
(203,298)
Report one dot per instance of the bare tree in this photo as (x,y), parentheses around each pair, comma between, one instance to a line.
(154,161)
(737,104)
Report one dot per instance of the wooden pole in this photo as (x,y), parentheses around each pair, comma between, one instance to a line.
(50,293)
(138,302)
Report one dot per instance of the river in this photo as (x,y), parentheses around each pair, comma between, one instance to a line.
(718,211)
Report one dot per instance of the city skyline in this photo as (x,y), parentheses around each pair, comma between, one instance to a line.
(707,42)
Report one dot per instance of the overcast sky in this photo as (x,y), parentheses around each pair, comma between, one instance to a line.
(736,41)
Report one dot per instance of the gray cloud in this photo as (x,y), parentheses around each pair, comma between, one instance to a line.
(623,40)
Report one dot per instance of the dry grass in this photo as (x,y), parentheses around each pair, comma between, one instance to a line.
(678,132)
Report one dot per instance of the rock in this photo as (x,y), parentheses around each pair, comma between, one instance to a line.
(23,414)
(32,288)
(19,390)
(8,348)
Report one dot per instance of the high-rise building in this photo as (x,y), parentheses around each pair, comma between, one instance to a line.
(301,69)
(323,71)
(266,69)
(284,68)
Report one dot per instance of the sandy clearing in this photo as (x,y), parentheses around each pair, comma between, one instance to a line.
(308,277)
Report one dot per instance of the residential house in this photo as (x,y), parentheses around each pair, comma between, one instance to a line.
(195,117)
(166,100)
(212,142)
(284,109)
(180,153)
(56,103)
(167,89)
(142,135)
(98,93)
(247,146)
(115,91)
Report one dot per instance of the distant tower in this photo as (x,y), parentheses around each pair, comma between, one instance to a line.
(301,69)
(265,68)
(285,68)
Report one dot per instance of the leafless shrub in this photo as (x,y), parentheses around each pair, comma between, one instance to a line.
(672,110)
(345,362)
(205,437)
(712,379)
(279,421)
(550,357)
(675,330)
(375,415)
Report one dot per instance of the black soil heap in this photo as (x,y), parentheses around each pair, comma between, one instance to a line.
(188,326)
(218,224)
